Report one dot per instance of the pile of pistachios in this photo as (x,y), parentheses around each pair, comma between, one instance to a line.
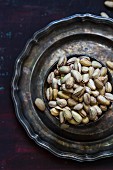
(78,90)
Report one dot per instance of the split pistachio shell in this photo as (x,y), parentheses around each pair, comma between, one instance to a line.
(67,114)
(64,69)
(102,91)
(98,84)
(85,62)
(95,93)
(92,113)
(96,64)
(78,91)
(86,107)
(109,96)
(82,113)
(66,77)
(103,71)
(52,103)
(54,112)
(69,82)
(96,73)
(102,100)
(62,61)
(50,77)
(88,90)
(73,122)
(63,95)
(93,101)
(99,111)
(91,84)
(85,78)
(77,66)
(85,120)
(40,104)
(78,106)
(77,117)
(108,87)
(91,71)
(49,93)
(71,60)
(71,102)
(67,90)
(55,83)
(87,98)
(77,76)
(109,64)
(54,93)
(61,102)
(85,69)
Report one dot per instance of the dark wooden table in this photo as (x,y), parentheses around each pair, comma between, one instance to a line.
(19,19)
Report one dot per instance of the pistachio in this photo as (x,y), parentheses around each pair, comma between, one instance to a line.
(49,93)
(68,108)
(67,90)
(61,102)
(99,111)
(102,91)
(54,93)
(108,87)
(85,57)
(50,77)
(103,14)
(102,100)
(85,62)
(63,95)
(77,66)
(86,107)
(64,69)
(91,84)
(54,112)
(93,101)
(61,117)
(98,84)
(103,108)
(67,114)
(75,86)
(64,126)
(91,71)
(92,113)
(59,108)
(87,98)
(66,77)
(71,66)
(85,78)
(109,64)
(88,90)
(85,120)
(96,64)
(80,99)
(85,69)
(103,71)
(75,98)
(55,83)
(52,103)
(109,96)
(77,117)
(71,61)
(69,82)
(105,79)
(56,72)
(77,76)
(95,93)
(109,4)
(40,104)
(82,113)
(62,61)
(78,91)
(71,102)
(96,73)
(79,106)
(73,122)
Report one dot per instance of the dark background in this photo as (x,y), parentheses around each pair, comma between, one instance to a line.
(19,19)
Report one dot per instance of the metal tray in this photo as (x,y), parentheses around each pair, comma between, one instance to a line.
(79,34)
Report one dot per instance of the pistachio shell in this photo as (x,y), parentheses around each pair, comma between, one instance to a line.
(82,113)
(85,69)
(49,93)
(92,113)
(85,78)
(79,106)
(85,62)
(88,90)
(52,103)
(71,60)
(54,93)
(54,112)
(86,107)
(71,102)
(50,77)
(108,87)
(93,101)
(61,102)
(98,84)
(109,96)
(56,72)
(61,117)
(77,117)
(64,69)
(102,91)
(96,64)
(95,93)
(91,84)
(66,77)
(78,91)
(77,66)
(103,71)
(77,76)
(109,4)
(40,104)
(109,64)
(103,108)
(102,100)
(62,61)
(69,82)
(55,83)
(73,122)
(85,120)
(67,90)
(63,95)
(80,99)
(103,14)
(98,109)
(67,114)
(96,73)
(87,98)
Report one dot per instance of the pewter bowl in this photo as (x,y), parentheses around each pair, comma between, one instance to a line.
(79,34)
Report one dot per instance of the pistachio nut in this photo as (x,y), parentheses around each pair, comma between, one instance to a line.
(77,76)
(75,98)
(52,103)
(54,112)
(96,64)
(63,95)
(81,99)
(75,86)
(64,69)
(61,117)
(103,108)
(73,122)
(88,90)
(91,71)
(86,107)
(85,62)
(54,93)
(67,90)
(64,126)
(103,14)
(85,69)
(77,66)
(68,108)
(102,91)
(66,77)
(50,77)
(71,66)
(49,93)
(98,109)
(67,114)
(61,102)
(95,93)
(93,101)
(71,61)
(109,4)
(79,106)
(55,83)
(109,64)
(85,120)
(92,113)
(96,73)
(85,57)
(109,96)
(85,78)
(40,104)
(59,108)
(71,102)
(69,82)
(62,61)
(102,100)
(77,117)
(103,71)
(82,113)
(98,84)
(105,79)
(78,91)
(56,72)
(91,84)
(108,87)
(87,98)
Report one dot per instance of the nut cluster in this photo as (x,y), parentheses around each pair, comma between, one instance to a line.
(78,90)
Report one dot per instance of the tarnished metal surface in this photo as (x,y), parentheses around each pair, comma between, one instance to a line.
(79,34)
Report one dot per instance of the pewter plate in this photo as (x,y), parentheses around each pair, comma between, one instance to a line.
(79,34)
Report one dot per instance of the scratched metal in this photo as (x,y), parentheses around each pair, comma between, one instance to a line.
(79,34)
